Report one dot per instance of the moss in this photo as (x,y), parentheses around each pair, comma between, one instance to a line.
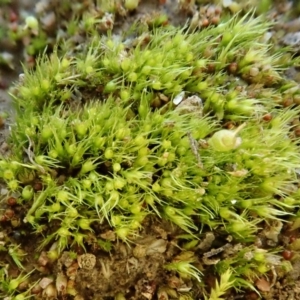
(98,141)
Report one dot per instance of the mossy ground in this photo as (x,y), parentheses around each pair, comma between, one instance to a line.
(157,163)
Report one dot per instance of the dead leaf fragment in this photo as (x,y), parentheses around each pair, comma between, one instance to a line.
(43,259)
(61,283)
(263,285)
(45,282)
(189,105)
(157,246)
(272,231)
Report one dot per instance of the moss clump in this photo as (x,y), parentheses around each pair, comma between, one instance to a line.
(99,143)
(161,63)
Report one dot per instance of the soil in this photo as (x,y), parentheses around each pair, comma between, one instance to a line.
(137,270)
